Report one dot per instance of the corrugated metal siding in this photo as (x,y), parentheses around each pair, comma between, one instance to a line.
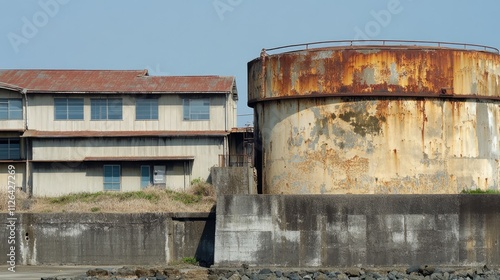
(51,179)
(170,117)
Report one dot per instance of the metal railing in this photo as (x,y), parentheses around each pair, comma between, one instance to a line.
(402,43)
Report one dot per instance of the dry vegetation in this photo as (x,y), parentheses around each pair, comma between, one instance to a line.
(199,198)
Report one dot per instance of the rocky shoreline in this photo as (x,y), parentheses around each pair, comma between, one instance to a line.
(250,273)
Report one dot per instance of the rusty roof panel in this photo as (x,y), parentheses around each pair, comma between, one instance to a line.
(111,81)
(83,134)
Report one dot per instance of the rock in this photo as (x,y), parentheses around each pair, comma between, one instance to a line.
(144,272)
(278,273)
(413,269)
(98,272)
(427,270)
(125,271)
(244,277)
(437,276)
(342,276)
(235,276)
(265,271)
(353,272)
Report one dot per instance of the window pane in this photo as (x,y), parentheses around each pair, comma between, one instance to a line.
(196,109)
(114,109)
(4,148)
(10,148)
(60,108)
(15,109)
(75,108)
(186,109)
(98,109)
(145,177)
(111,177)
(4,109)
(146,109)
(14,149)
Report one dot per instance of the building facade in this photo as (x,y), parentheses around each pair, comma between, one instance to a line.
(68,131)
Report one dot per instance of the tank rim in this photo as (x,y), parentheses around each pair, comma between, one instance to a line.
(386,44)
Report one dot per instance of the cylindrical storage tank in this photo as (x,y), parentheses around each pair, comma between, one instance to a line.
(376,119)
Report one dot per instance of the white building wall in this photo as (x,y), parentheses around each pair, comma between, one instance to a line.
(63,162)
(60,178)
(170,115)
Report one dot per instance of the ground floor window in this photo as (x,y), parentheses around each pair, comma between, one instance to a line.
(146,178)
(111,177)
(10,148)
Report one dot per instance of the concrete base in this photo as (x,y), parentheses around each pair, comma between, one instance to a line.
(352,230)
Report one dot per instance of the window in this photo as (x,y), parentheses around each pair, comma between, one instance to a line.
(10,148)
(68,108)
(111,177)
(11,109)
(106,109)
(146,109)
(197,109)
(145,176)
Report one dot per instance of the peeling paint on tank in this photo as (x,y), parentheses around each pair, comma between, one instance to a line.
(326,139)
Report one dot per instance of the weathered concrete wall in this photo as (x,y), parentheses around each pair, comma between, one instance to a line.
(233,180)
(110,239)
(349,230)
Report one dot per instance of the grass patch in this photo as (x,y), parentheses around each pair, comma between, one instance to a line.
(190,260)
(479,191)
(185,198)
(99,196)
(198,198)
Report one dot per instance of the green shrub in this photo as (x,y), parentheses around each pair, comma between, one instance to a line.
(190,260)
(479,191)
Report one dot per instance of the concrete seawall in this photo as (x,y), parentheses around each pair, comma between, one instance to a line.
(110,239)
(351,230)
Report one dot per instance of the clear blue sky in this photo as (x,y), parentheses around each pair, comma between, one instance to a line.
(219,37)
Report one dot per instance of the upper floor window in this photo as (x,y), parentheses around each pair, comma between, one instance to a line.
(10,148)
(68,108)
(196,109)
(11,109)
(146,109)
(106,109)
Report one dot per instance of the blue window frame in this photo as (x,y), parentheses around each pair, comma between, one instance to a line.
(146,108)
(111,177)
(11,109)
(68,108)
(10,148)
(196,109)
(146,179)
(106,109)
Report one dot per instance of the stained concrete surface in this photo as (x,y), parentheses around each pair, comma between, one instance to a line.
(29,272)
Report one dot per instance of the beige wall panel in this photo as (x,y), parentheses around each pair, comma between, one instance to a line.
(170,114)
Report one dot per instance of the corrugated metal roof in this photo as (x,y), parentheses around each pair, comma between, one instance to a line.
(65,134)
(111,81)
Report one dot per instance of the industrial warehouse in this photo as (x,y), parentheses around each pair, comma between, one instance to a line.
(112,130)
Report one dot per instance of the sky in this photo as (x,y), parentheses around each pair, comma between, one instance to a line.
(219,37)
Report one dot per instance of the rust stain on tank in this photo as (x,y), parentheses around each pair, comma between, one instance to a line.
(377,119)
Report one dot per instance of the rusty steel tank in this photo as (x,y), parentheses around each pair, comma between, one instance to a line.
(385,117)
